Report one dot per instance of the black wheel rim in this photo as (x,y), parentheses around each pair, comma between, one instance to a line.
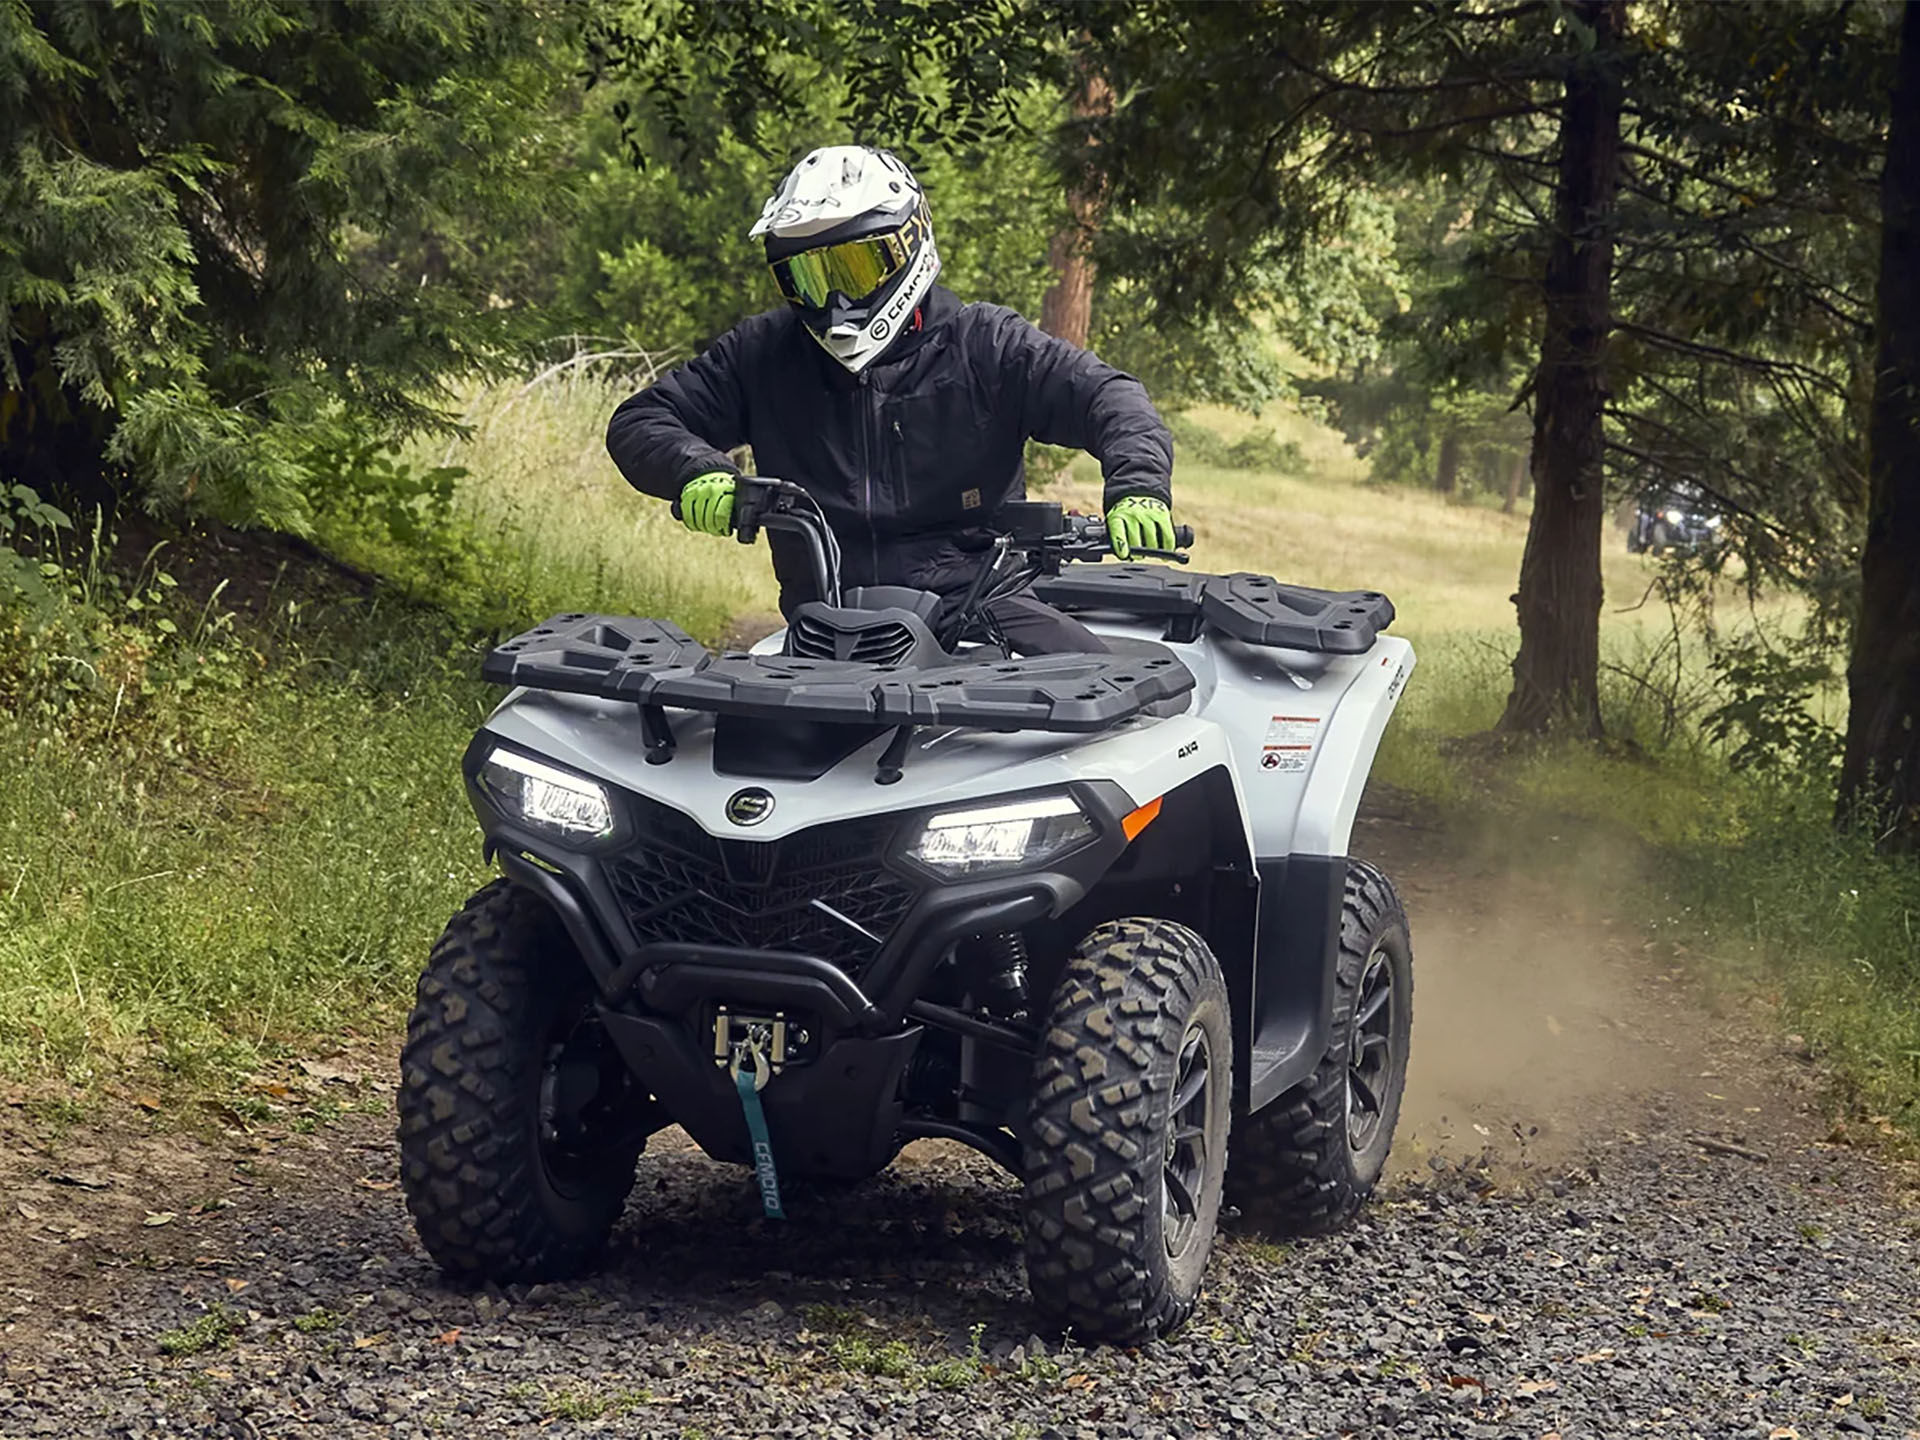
(583,1085)
(1184,1176)
(1370,1057)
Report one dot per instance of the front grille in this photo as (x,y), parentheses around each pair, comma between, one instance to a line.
(823,892)
(887,643)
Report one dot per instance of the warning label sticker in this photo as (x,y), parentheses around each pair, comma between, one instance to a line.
(1289,743)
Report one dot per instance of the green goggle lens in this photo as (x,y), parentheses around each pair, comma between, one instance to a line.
(856,268)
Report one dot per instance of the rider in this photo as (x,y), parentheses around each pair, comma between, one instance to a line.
(910,429)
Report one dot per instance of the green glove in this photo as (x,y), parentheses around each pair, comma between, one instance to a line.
(706,503)
(1139,520)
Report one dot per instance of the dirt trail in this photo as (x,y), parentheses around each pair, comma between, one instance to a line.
(1611,1211)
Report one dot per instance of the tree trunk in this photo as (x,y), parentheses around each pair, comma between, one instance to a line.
(1516,481)
(1446,467)
(1880,775)
(1556,674)
(1066,310)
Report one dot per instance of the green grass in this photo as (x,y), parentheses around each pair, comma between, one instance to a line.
(212,1331)
(235,872)
(570,532)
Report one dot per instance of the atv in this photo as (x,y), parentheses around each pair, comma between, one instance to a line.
(877,879)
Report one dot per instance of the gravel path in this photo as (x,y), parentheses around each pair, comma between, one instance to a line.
(1625,1280)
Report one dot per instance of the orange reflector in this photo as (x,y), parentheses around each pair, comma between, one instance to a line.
(1139,820)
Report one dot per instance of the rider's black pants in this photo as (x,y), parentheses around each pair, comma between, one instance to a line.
(1033,627)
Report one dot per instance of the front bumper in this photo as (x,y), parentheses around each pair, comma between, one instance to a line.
(838,1110)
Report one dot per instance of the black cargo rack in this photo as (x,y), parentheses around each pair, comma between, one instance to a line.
(656,666)
(1254,608)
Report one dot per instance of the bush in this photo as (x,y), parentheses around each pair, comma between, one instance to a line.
(1258,449)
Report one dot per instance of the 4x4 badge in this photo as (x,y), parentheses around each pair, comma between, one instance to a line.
(749,806)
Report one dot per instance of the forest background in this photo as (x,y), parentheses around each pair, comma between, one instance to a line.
(314,312)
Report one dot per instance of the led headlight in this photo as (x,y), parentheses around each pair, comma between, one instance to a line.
(1021,832)
(1674,517)
(546,797)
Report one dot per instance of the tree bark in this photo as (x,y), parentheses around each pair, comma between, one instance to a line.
(1446,466)
(1066,310)
(1880,773)
(1556,673)
(1516,481)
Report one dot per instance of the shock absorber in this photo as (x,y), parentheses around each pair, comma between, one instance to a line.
(1003,975)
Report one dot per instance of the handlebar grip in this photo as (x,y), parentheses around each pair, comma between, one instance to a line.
(1183,537)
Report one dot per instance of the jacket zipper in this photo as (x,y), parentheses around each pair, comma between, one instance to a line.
(866,469)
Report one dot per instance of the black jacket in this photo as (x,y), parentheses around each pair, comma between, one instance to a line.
(909,457)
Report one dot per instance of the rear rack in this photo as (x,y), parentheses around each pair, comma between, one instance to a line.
(1254,608)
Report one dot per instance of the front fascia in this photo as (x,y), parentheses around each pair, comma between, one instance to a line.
(945,768)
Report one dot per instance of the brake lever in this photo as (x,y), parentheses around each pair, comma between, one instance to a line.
(1174,555)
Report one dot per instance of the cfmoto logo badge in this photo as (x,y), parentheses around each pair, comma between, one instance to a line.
(749,806)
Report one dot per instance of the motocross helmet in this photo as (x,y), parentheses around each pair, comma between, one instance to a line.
(850,244)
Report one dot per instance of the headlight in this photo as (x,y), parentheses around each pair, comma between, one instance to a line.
(1673,517)
(963,842)
(1713,522)
(546,797)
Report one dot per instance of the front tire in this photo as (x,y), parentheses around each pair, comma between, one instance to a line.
(1307,1163)
(1127,1132)
(517,1119)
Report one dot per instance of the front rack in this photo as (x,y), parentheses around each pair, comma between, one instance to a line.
(657,666)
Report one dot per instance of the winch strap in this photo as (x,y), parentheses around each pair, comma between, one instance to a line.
(762,1145)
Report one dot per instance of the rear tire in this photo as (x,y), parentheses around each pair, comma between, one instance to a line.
(1307,1163)
(503,1067)
(1126,1141)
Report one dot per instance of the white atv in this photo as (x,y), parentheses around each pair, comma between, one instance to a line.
(1091,915)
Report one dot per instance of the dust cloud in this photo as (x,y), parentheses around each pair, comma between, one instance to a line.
(1540,1019)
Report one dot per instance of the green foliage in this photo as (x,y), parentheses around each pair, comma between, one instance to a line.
(214,1330)
(219,223)
(1258,449)
(1767,721)
(367,484)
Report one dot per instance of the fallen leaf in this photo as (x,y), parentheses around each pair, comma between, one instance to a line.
(451,1337)
(85,1179)
(1535,1387)
(1783,1432)
(1844,1400)
(147,1102)
(27,1211)
(236,1286)
(366,1341)
(1594,1359)
(1077,1382)
(1467,1382)
(325,1070)
(367,1182)
(160,1217)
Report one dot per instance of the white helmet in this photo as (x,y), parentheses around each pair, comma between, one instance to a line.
(851,246)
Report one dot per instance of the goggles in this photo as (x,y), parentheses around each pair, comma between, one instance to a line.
(856,268)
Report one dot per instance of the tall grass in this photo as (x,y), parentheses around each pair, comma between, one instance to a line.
(569,532)
(238,870)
